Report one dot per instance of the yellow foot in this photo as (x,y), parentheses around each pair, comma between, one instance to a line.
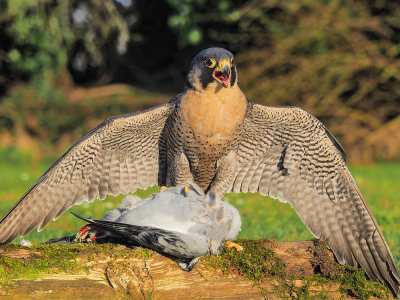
(230,244)
(163,188)
(186,190)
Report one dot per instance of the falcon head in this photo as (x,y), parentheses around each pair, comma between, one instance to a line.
(212,67)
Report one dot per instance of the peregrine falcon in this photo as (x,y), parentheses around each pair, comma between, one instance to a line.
(212,135)
(183,226)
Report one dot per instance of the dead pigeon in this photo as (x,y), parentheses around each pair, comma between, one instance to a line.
(179,222)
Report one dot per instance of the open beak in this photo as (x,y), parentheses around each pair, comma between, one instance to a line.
(223,74)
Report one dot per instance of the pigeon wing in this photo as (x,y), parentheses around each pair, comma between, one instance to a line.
(170,243)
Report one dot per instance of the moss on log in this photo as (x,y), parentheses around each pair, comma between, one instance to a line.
(266,269)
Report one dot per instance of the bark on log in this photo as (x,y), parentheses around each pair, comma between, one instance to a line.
(114,272)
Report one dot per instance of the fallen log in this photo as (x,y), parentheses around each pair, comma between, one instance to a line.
(265,269)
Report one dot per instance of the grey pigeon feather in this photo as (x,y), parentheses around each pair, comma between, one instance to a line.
(178,225)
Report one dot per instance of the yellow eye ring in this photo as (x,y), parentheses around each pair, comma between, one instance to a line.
(210,62)
(232,61)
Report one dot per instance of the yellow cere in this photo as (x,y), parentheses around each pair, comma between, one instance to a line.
(223,63)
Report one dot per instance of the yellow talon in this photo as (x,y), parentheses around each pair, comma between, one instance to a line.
(163,188)
(230,244)
(186,190)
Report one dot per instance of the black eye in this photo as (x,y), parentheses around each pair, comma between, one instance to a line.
(232,61)
(210,62)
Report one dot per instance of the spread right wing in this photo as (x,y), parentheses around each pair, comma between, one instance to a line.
(119,156)
(289,155)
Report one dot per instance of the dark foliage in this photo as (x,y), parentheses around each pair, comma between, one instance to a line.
(337,59)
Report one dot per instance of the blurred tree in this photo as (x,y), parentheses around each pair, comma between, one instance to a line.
(44,36)
(338,59)
(41,39)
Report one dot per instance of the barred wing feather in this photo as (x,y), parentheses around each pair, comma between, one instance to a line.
(122,154)
(289,155)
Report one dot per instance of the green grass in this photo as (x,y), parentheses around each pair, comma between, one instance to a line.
(261,216)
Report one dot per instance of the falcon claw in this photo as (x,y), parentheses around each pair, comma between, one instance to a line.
(163,188)
(186,190)
(238,248)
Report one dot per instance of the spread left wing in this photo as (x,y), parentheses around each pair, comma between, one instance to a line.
(119,156)
(289,155)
